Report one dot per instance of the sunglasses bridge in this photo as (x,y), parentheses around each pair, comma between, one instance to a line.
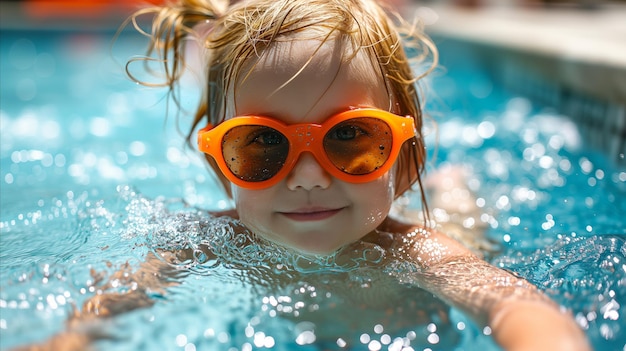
(304,134)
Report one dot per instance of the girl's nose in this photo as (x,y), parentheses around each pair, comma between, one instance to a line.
(308,174)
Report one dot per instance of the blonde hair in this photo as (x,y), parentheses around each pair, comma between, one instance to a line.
(234,34)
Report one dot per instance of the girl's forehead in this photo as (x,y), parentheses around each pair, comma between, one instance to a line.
(309,79)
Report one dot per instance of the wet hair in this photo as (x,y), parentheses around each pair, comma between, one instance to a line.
(231,35)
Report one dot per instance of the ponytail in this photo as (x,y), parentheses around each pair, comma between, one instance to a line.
(173,24)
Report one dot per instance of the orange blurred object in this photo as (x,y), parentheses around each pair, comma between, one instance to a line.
(81,9)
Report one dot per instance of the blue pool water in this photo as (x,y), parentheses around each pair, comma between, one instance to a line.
(93,178)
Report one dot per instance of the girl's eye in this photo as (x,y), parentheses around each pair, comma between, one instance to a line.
(347,132)
(269,138)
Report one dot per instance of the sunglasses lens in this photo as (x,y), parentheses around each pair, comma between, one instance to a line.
(359,146)
(254,153)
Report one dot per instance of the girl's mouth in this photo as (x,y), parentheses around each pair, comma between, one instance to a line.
(311,214)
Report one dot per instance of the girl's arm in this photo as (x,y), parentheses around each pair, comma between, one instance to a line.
(83,326)
(519,315)
(152,277)
(158,272)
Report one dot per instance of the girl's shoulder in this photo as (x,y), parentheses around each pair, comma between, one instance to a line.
(421,244)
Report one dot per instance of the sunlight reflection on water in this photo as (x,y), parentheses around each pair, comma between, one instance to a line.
(555,208)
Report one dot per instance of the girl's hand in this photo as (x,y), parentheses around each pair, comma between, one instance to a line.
(535,326)
(66,341)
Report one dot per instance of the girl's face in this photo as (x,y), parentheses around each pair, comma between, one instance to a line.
(311,211)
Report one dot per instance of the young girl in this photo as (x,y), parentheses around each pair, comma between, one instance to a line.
(311,119)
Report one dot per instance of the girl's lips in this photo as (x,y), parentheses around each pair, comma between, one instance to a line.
(313,214)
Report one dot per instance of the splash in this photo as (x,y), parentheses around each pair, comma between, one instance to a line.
(170,224)
(587,274)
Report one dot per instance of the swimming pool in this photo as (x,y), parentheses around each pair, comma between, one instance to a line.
(93,177)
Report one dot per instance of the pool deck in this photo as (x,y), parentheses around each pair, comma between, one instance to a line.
(582,49)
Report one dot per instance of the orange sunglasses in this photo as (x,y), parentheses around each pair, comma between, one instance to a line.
(355,146)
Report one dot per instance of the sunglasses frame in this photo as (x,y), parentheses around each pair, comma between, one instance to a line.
(306,137)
